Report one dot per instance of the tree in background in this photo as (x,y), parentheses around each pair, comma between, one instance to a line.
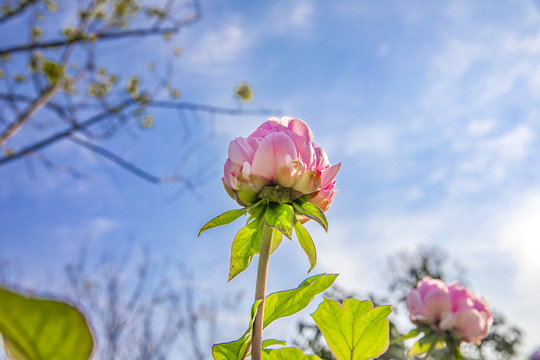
(58,83)
(403,272)
(142,309)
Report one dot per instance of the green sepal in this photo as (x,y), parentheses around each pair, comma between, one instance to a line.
(289,353)
(312,211)
(246,243)
(306,242)
(223,219)
(246,197)
(256,210)
(228,190)
(353,330)
(34,328)
(280,217)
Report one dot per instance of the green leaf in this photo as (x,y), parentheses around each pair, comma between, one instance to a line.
(277,305)
(256,210)
(306,242)
(277,237)
(246,243)
(354,330)
(223,219)
(310,210)
(34,329)
(411,334)
(270,342)
(280,217)
(234,350)
(287,354)
(418,349)
(427,343)
(289,302)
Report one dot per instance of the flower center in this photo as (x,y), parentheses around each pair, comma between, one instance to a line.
(279,194)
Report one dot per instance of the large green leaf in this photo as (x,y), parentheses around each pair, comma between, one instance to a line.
(246,243)
(42,329)
(289,302)
(354,330)
(280,217)
(287,354)
(306,242)
(277,305)
(271,342)
(310,210)
(235,350)
(223,219)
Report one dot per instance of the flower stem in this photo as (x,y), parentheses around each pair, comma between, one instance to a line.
(260,289)
(431,349)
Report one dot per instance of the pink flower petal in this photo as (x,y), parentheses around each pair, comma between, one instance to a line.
(240,151)
(304,149)
(471,324)
(435,305)
(328,174)
(322,160)
(300,127)
(413,301)
(271,155)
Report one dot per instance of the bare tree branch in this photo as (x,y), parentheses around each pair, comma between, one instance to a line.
(18,10)
(126,164)
(21,119)
(63,134)
(122,106)
(84,102)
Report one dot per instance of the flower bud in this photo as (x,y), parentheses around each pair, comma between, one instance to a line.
(449,310)
(279,162)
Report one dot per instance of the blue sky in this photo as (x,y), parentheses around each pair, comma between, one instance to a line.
(433,108)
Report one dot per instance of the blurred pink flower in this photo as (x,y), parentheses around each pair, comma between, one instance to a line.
(449,310)
(280,152)
(536,355)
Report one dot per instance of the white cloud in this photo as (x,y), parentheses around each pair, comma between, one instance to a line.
(375,140)
(301,15)
(479,128)
(291,19)
(218,48)
(485,161)
(481,70)
(520,238)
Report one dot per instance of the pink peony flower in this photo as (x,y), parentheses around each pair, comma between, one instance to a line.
(280,152)
(449,310)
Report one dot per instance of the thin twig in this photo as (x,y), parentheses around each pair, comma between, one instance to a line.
(125,164)
(35,106)
(22,5)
